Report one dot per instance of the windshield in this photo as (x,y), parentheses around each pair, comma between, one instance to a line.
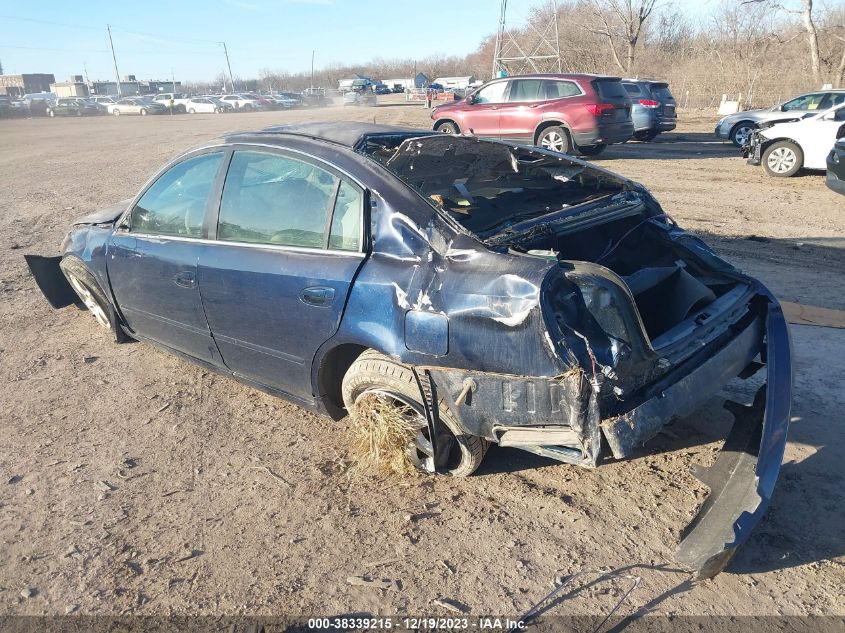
(487,186)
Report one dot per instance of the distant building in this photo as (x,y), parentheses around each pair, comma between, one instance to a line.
(74,87)
(459,83)
(421,80)
(19,85)
(130,86)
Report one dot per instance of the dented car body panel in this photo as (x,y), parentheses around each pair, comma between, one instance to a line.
(555,307)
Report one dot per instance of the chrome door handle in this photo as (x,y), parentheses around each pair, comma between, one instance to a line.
(319,296)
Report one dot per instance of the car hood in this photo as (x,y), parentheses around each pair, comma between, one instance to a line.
(105,215)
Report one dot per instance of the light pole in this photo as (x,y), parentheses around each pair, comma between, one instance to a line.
(114,58)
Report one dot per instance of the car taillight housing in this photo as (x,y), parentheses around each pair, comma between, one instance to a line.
(599,109)
(649,103)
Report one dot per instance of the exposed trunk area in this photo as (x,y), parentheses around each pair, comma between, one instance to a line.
(669,285)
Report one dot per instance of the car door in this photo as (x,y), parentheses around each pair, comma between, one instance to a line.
(289,241)
(152,256)
(819,136)
(518,117)
(482,115)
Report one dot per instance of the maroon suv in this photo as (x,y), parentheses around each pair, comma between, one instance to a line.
(565,113)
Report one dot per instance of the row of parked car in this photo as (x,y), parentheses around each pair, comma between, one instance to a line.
(49,105)
(572,113)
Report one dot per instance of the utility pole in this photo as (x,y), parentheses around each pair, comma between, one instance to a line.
(312,71)
(114,57)
(85,70)
(229,66)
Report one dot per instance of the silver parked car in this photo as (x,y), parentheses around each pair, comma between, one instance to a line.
(137,106)
(738,127)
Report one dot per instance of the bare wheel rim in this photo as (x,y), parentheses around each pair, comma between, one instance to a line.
(90,302)
(552,141)
(781,160)
(419,450)
(742,134)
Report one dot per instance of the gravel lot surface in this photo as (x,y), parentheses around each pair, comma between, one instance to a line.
(190,521)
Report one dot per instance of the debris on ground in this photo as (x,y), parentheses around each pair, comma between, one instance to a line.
(451,605)
(377,583)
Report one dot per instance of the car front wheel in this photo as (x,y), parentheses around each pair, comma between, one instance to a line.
(447,127)
(116,112)
(782,159)
(554,138)
(143,112)
(51,112)
(742,132)
(89,292)
(374,374)
(191,111)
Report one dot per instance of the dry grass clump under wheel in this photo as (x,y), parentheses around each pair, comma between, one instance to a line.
(382,429)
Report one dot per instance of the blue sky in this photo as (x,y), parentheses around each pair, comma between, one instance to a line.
(153,38)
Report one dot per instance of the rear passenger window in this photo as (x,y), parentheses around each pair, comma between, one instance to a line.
(609,88)
(526,90)
(345,234)
(560,89)
(633,89)
(273,199)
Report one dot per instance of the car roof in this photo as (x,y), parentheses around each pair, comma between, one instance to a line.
(346,133)
(585,76)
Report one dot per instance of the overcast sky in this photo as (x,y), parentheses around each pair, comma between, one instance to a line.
(153,38)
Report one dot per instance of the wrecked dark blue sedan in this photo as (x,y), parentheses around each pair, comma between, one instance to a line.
(500,293)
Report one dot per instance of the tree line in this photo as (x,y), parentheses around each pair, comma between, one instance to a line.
(758,51)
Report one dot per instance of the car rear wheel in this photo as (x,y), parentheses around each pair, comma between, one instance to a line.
(554,138)
(447,127)
(374,374)
(89,292)
(592,150)
(51,112)
(742,132)
(116,112)
(191,111)
(79,113)
(782,159)
(645,135)
(143,112)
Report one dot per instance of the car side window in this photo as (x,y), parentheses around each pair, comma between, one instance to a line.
(494,93)
(836,99)
(805,102)
(274,199)
(345,233)
(175,203)
(560,89)
(526,90)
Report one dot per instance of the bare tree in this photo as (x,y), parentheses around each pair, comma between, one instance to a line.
(621,22)
(812,39)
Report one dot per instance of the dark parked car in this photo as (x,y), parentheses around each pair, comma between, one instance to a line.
(653,109)
(836,167)
(564,113)
(73,107)
(382,89)
(491,293)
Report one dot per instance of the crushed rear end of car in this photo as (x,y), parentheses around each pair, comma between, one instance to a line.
(636,323)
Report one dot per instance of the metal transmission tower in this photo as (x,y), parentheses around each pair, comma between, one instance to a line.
(536,50)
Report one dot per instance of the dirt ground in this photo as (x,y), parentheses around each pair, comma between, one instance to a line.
(132,482)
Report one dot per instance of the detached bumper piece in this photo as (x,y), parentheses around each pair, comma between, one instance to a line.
(743,477)
(51,280)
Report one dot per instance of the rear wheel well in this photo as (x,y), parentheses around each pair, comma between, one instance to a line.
(333,368)
(547,124)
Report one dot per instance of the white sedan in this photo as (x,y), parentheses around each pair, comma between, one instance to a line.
(206,105)
(785,148)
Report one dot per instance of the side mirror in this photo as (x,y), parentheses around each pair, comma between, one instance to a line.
(470,99)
